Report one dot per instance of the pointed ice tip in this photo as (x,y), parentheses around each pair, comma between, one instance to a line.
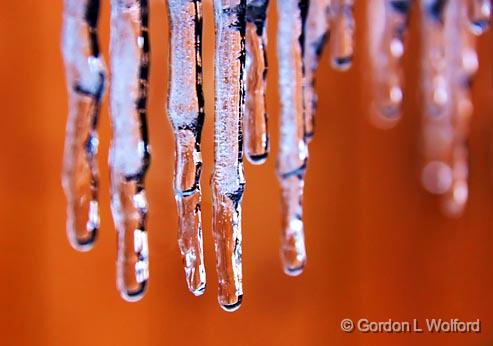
(133,296)
(342,63)
(257,159)
(83,244)
(309,136)
(199,290)
(294,271)
(232,307)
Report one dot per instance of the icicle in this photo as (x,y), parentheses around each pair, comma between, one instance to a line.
(129,155)
(342,33)
(255,121)
(315,39)
(293,151)
(186,113)
(449,63)
(387,21)
(85,80)
(228,180)
(479,14)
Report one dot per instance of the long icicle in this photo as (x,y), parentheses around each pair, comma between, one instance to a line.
(293,150)
(449,63)
(463,64)
(316,34)
(228,180)
(387,21)
(255,120)
(186,113)
(342,33)
(85,74)
(130,155)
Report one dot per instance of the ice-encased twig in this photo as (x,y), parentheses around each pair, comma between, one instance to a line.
(387,21)
(228,180)
(255,120)
(316,32)
(85,75)
(449,63)
(186,113)
(129,154)
(341,33)
(479,14)
(293,150)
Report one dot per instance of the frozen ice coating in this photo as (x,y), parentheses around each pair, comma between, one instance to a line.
(228,180)
(85,75)
(293,151)
(479,14)
(255,120)
(387,21)
(186,113)
(449,64)
(316,34)
(129,153)
(342,33)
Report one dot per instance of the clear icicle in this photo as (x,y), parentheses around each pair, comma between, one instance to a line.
(342,33)
(315,38)
(255,121)
(228,179)
(387,21)
(186,113)
(479,14)
(85,81)
(293,150)
(129,154)
(449,63)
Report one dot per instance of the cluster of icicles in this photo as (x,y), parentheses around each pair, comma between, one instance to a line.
(449,62)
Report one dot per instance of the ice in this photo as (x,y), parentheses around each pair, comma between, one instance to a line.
(316,34)
(255,120)
(293,151)
(228,179)
(387,21)
(479,13)
(129,153)
(186,113)
(449,64)
(85,75)
(342,33)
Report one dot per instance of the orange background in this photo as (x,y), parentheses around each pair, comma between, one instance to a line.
(378,246)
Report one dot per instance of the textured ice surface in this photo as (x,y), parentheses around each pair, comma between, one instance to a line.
(293,151)
(186,113)
(228,180)
(387,21)
(255,120)
(129,154)
(85,82)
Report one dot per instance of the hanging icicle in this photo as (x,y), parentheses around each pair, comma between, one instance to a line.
(186,113)
(342,33)
(387,21)
(130,153)
(85,81)
(228,180)
(293,150)
(316,33)
(255,120)
(449,64)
